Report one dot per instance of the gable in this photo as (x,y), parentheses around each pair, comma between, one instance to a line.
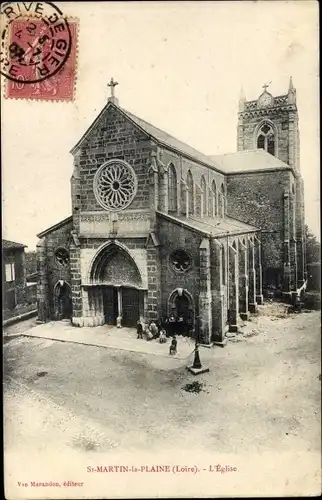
(113,149)
(109,128)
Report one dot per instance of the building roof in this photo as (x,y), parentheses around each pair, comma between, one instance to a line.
(168,140)
(210,226)
(160,136)
(55,226)
(10,245)
(249,161)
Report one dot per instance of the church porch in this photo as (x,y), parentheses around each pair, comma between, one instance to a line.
(228,285)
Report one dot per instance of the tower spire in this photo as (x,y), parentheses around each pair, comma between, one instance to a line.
(242,100)
(291,94)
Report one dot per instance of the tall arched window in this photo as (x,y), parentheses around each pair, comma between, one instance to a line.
(203,187)
(172,188)
(266,138)
(214,198)
(190,193)
(221,201)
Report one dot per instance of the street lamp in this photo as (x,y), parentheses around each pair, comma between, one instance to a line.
(197,367)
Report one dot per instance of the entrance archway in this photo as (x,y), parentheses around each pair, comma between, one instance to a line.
(62,300)
(181,305)
(116,276)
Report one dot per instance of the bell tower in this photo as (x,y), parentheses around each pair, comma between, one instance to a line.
(270,123)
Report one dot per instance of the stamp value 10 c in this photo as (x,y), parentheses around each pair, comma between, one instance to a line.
(38,51)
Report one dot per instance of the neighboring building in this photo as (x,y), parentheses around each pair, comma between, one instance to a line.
(159,228)
(13,274)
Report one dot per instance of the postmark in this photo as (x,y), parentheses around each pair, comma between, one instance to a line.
(38,51)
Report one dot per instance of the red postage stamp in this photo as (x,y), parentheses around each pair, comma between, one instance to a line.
(41,58)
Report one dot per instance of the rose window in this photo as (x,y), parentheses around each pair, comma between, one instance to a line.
(115,185)
(180,260)
(62,257)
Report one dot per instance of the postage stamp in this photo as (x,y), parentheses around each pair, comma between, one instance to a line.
(38,51)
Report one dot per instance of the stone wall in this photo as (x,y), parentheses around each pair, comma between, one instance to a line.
(249,123)
(258,199)
(173,237)
(49,270)
(283,117)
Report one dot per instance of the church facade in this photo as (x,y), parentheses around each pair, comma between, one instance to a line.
(158,228)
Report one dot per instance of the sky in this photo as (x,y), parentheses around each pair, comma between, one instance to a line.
(180,66)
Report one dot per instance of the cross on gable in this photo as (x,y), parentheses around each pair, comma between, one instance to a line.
(112,85)
(266,85)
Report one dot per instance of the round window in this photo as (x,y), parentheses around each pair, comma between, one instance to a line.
(180,261)
(62,257)
(115,185)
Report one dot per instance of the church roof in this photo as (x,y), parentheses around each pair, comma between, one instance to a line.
(249,161)
(160,136)
(10,245)
(209,226)
(246,161)
(168,140)
(55,226)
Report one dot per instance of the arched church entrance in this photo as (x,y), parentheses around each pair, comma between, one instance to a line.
(181,306)
(62,300)
(116,275)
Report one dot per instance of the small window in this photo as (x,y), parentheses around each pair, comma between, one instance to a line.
(10,272)
(62,257)
(180,261)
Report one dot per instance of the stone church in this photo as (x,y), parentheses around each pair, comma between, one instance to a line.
(158,228)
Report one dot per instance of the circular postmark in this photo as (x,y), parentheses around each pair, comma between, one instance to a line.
(35,41)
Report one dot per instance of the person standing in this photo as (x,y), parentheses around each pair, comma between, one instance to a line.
(172,325)
(139,329)
(180,326)
(154,329)
(173,346)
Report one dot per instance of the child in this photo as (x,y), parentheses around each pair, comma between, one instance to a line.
(149,335)
(162,336)
(173,346)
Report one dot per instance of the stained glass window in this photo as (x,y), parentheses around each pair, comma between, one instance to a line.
(115,185)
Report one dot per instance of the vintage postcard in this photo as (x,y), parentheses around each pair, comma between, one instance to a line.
(161,249)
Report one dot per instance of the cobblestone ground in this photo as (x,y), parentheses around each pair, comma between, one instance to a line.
(261,398)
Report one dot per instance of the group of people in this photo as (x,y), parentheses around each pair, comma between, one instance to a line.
(161,332)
